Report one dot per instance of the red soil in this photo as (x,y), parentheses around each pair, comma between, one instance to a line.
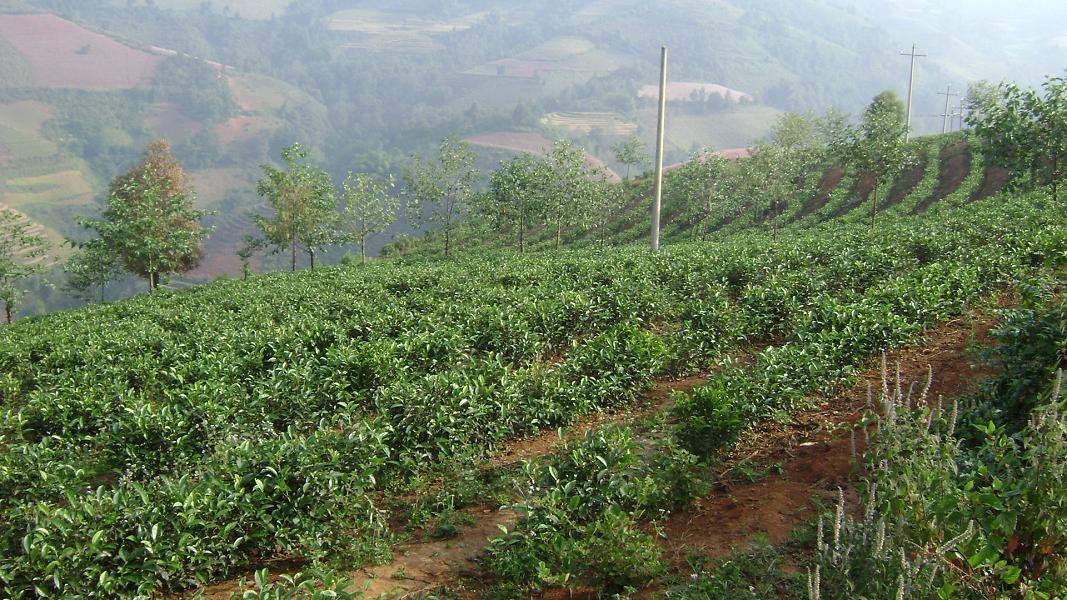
(993,182)
(829,182)
(813,454)
(534,143)
(63,54)
(167,120)
(239,129)
(955,164)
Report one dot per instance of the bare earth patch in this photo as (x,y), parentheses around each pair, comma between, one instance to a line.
(66,55)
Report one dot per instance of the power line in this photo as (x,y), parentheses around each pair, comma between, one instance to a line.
(948,94)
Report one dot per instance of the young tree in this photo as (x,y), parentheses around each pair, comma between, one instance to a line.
(90,270)
(250,246)
(149,224)
(19,249)
(1024,131)
(515,193)
(630,152)
(574,193)
(442,189)
(305,207)
(878,146)
(368,208)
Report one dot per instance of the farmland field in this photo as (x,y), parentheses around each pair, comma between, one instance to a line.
(685,90)
(379,22)
(152,457)
(395,30)
(26,116)
(589,122)
(533,143)
(62,54)
(735,128)
(557,63)
(166,120)
(246,9)
(63,186)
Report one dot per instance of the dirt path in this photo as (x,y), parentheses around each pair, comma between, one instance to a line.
(812,456)
(765,490)
(425,566)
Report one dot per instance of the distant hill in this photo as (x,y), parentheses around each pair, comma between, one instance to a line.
(980,39)
(79,104)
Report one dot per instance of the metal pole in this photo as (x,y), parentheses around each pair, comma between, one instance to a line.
(657,203)
(911,89)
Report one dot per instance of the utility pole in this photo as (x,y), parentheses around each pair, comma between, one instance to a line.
(656,204)
(911,88)
(959,113)
(945,116)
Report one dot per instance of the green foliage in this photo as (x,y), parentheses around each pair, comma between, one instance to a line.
(91,269)
(1032,348)
(305,208)
(961,503)
(19,246)
(579,522)
(516,191)
(305,586)
(1024,131)
(758,574)
(442,190)
(630,152)
(878,148)
(197,87)
(317,394)
(149,224)
(574,193)
(367,208)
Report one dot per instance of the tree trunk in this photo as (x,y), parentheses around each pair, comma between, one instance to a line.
(292,258)
(874,204)
(522,237)
(1055,179)
(362,249)
(311,256)
(7,311)
(448,228)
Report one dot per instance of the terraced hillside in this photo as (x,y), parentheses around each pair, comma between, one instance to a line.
(950,172)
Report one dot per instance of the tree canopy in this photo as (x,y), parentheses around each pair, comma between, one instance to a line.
(149,223)
(368,207)
(304,203)
(19,249)
(1024,130)
(441,189)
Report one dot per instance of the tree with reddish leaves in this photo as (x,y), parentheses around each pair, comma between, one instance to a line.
(149,223)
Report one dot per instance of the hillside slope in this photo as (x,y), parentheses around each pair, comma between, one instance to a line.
(950,172)
(331,415)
